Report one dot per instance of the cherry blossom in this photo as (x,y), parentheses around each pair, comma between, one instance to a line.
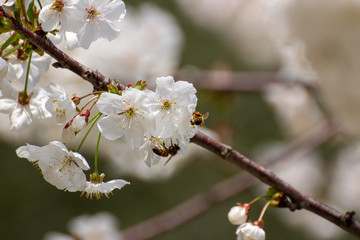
(59,166)
(56,12)
(101,226)
(22,109)
(18,68)
(173,106)
(99,19)
(104,188)
(127,115)
(59,104)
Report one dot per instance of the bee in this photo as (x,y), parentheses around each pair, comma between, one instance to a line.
(198,118)
(166,151)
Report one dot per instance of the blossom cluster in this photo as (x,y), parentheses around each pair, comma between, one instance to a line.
(83,21)
(156,123)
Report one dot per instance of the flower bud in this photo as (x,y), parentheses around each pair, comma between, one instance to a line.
(79,122)
(249,231)
(237,215)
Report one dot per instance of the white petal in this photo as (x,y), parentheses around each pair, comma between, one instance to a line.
(110,103)
(20,119)
(7,105)
(111,127)
(28,152)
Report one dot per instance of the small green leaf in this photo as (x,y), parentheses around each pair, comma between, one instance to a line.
(113,89)
(38,51)
(10,40)
(140,85)
(31,12)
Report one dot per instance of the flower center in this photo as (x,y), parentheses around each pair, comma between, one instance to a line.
(92,13)
(130,112)
(58,5)
(166,104)
(66,163)
(24,99)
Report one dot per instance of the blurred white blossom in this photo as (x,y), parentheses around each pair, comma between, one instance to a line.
(100,226)
(294,107)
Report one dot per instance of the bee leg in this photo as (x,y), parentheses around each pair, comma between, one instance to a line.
(168,159)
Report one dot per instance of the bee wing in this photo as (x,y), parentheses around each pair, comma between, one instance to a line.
(206,115)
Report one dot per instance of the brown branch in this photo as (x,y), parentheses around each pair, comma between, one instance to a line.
(298,200)
(63,60)
(223,190)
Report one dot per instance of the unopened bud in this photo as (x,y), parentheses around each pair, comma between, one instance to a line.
(237,215)
(76,100)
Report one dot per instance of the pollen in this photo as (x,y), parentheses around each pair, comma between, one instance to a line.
(58,6)
(92,13)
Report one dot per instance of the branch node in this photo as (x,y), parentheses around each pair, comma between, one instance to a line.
(348,218)
(87,74)
(57,65)
(226,151)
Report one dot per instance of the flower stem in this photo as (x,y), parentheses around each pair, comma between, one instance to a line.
(12,50)
(263,211)
(96,155)
(27,75)
(23,9)
(96,117)
(39,2)
(256,199)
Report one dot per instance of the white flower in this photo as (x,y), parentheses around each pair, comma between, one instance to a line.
(154,148)
(57,236)
(248,231)
(21,109)
(173,106)
(100,19)
(70,38)
(101,226)
(146,151)
(56,12)
(59,166)
(18,68)
(127,115)
(59,104)
(104,188)
(237,215)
